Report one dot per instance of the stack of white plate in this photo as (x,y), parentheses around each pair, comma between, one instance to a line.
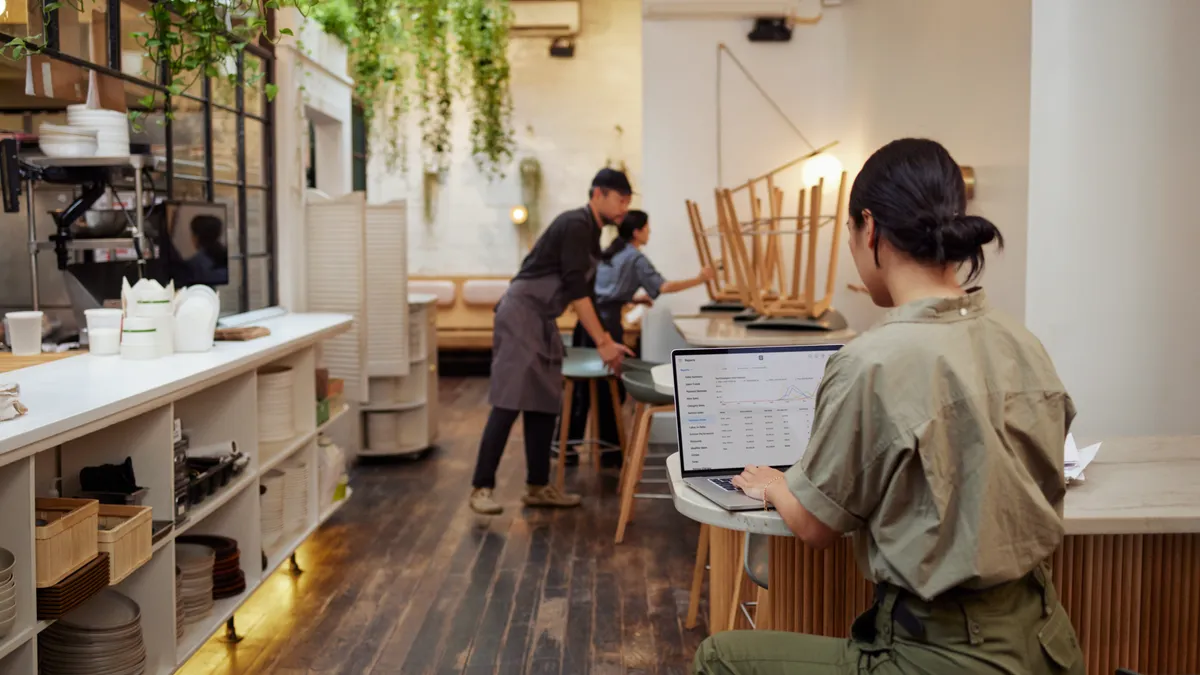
(8,592)
(295,496)
(112,128)
(276,409)
(180,614)
(58,141)
(195,564)
(272,508)
(103,635)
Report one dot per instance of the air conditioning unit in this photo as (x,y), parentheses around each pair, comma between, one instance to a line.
(545,18)
(727,9)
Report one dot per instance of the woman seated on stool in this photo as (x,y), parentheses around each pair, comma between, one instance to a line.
(938,441)
(622,271)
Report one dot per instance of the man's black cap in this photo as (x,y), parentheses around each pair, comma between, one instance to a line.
(611,179)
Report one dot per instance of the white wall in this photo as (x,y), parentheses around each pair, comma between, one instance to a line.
(956,71)
(564,113)
(806,77)
(312,84)
(870,72)
(1112,235)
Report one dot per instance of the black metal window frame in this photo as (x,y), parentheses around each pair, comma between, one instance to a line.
(265,52)
(360,143)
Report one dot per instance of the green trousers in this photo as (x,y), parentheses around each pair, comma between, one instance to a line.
(1017,628)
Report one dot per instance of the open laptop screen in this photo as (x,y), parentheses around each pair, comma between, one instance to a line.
(748,405)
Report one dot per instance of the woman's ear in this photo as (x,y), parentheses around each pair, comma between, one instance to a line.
(868,229)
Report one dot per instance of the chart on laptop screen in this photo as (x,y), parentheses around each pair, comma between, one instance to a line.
(746,407)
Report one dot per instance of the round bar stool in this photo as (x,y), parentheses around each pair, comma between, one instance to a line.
(585,364)
(647,401)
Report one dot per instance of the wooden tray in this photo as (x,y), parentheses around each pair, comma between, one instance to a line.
(241,334)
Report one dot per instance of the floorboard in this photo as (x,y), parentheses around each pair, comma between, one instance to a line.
(406,579)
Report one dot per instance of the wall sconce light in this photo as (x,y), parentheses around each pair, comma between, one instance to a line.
(821,166)
(519,215)
(968,174)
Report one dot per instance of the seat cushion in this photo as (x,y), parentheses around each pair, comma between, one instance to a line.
(640,385)
(484,292)
(584,363)
(441,288)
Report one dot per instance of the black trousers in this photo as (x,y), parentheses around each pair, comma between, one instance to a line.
(539,431)
(581,399)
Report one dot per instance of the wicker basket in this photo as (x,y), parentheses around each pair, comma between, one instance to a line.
(128,539)
(68,539)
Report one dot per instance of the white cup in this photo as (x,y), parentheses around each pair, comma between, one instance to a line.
(25,333)
(104,331)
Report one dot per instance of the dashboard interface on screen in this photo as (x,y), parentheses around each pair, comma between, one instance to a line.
(741,407)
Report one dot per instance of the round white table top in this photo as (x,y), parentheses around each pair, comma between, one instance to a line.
(698,507)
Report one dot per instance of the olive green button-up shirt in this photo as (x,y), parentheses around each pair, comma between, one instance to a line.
(938,440)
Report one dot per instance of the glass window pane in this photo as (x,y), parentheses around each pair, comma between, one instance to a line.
(18,21)
(223,91)
(254,153)
(254,96)
(187,190)
(256,220)
(231,295)
(227,194)
(135,21)
(83,32)
(224,150)
(187,133)
(260,283)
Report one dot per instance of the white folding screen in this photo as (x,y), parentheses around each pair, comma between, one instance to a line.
(336,240)
(387,289)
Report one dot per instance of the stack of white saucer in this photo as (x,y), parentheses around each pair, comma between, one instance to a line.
(112,128)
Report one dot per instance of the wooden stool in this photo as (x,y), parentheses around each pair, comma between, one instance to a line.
(583,363)
(697,578)
(647,402)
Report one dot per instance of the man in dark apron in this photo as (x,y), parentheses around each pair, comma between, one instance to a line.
(527,350)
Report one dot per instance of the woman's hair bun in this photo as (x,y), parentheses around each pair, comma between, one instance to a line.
(915,193)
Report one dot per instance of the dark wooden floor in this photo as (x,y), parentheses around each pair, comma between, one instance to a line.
(406,579)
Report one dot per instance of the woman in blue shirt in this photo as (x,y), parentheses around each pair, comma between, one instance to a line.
(623,271)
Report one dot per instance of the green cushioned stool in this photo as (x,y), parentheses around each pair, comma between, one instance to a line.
(647,401)
(584,364)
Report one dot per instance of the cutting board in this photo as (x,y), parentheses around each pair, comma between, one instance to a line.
(9,362)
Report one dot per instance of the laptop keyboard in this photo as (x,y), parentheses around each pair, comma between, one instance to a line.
(724,483)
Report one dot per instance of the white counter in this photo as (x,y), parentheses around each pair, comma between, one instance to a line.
(66,397)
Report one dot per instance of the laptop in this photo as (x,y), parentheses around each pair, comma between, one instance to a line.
(741,406)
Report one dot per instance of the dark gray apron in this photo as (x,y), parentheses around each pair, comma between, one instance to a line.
(527,350)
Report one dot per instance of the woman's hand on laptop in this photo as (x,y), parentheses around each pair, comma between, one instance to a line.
(758,482)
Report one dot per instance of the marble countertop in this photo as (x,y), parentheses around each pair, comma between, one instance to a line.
(716,330)
(1135,486)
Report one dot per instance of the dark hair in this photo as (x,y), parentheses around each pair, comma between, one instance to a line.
(208,231)
(632,222)
(915,192)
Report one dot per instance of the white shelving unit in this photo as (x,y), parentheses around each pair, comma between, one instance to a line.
(214,395)
(400,415)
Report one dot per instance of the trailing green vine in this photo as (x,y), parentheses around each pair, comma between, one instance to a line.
(422,54)
(193,38)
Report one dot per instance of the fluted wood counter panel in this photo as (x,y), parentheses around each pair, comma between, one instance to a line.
(1134,599)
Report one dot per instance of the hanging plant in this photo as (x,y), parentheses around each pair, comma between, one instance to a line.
(419,55)
(193,38)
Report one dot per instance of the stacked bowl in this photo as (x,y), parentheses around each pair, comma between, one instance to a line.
(103,635)
(8,592)
(55,140)
(180,612)
(271,496)
(195,563)
(111,126)
(276,415)
(295,496)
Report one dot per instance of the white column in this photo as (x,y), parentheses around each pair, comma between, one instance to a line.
(1113,241)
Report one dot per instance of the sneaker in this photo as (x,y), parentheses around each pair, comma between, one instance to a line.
(549,496)
(483,504)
